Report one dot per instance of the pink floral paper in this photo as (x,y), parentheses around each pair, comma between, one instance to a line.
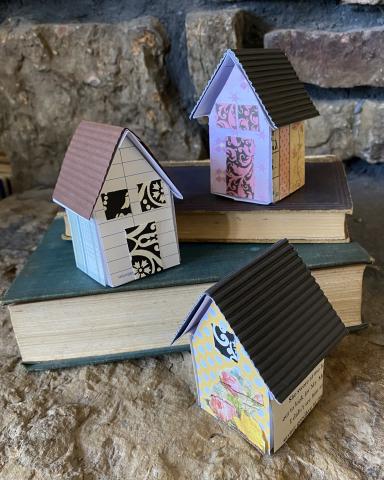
(226,115)
(239,167)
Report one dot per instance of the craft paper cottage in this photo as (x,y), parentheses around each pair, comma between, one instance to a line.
(256,106)
(119,203)
(258,342)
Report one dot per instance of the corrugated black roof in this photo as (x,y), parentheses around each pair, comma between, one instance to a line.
(280,315)
(275,81)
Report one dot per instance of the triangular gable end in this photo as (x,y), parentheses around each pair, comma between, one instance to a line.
(87,162)
(214,86)
(144,150)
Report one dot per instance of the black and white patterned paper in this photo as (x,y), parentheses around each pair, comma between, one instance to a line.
(144,248)
(151,195)
(116,204)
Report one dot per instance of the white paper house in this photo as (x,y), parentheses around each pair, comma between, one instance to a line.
(119,203)
(256,106)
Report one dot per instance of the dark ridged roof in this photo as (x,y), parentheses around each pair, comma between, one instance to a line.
(276,83)
(274,80)
(280,315)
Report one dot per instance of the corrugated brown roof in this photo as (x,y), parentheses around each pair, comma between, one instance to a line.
(275,82)
(85,166)
(280,315)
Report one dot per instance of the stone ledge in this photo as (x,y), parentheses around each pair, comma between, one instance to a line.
(333,59)
(347,128)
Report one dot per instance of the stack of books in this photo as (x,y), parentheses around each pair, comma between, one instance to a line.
(62,317)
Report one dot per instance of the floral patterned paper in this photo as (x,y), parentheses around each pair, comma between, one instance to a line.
(248,117)
(226,115)
(144,248)
(151,195)
(239,167)
(230,388)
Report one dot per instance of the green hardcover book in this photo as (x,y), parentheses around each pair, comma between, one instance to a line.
(61,317)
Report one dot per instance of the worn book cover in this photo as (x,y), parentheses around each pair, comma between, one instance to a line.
(314,213)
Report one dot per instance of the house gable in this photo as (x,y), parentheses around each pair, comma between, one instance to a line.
(135,203)
(229,386)
(240,143)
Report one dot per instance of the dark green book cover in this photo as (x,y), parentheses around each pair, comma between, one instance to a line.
(51,273)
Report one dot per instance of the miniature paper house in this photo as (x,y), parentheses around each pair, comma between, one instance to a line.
(258,342)
(256,106)
(119,203)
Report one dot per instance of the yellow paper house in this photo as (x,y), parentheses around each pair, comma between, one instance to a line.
(258,342)
(256,106)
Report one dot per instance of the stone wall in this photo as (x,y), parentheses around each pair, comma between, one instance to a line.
(143,64)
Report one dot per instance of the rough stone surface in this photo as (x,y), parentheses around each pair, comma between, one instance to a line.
(347,128)
(54,75)
(333,59)
(209,34)
(139,420)
(363,2)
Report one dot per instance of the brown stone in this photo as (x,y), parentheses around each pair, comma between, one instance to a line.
(54,75)
(333,59)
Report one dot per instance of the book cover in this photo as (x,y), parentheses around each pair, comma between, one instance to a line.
(325,188)
(51,273)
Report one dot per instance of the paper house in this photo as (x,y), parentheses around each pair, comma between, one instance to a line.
(119,203)
(256,107)
(258,342)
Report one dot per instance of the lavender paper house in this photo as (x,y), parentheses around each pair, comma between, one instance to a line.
(258,342)
(256,106)
(119,203)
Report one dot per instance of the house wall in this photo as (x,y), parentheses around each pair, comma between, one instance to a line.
(234,130)
(229,386)
(86,247)
(128,170)
(288,415)
(288,159)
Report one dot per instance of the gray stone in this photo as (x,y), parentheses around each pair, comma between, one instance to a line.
(54,75)
(139,419)
(209,34)
(333,59)
(363,2)
(347,128)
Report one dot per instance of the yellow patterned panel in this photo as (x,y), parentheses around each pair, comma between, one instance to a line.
(276,164)
(297,156)
(229,386)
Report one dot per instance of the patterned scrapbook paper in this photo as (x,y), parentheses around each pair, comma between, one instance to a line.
(116,204)
(229,386)
(151,195)
(226,115)
(248,117)
(284,162)
(297,156)
(144,248)
(276,164)
(240,154)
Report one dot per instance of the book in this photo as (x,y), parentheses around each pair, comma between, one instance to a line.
(314,213)
(61,317)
